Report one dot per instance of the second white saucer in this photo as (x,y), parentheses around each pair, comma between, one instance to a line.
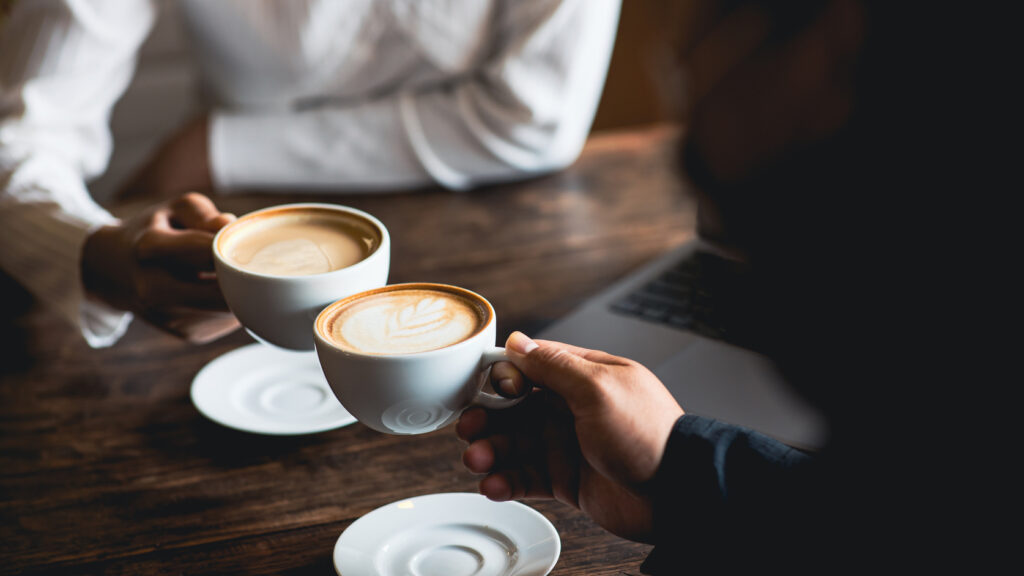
(266,390)
(456,534)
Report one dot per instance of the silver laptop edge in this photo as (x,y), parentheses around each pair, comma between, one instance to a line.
(706,376)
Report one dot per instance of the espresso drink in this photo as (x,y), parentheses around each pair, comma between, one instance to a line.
(298,242)
(404,319)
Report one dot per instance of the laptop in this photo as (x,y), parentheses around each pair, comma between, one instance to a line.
(681,317)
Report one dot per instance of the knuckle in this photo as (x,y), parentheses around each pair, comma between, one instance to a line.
(145,293)
(195,204)
(146,243)
(154,219)
(194,336)
(191,198)
(550,355)
(630,364)
(504,370)
(604,382)
(602,378)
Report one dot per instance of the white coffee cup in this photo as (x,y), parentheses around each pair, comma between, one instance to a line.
(280,309)
(407,392)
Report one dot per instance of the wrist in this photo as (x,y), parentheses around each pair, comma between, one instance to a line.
(97,262)
(180,165)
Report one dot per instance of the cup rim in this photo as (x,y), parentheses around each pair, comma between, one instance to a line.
(385,240)
(491,318)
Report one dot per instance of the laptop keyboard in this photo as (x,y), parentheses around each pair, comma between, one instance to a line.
(701,293)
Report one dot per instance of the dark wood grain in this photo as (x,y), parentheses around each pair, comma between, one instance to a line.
(107,468)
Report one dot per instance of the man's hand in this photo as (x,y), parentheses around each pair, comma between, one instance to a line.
(182,164)
(591,435)
(159,264)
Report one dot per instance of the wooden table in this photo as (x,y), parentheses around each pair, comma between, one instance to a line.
(106,467)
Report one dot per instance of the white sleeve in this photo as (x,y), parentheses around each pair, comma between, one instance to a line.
(63,65)
(527,110)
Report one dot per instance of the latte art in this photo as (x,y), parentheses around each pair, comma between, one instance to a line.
(298,243)
(414,320)
(405,321)
(293,257)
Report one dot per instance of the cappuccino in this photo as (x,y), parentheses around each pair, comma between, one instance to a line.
(298,241)
(404,319)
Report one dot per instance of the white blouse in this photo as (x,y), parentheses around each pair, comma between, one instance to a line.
(314,94)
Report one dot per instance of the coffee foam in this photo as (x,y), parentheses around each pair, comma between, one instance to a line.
(405,321)
(299,242)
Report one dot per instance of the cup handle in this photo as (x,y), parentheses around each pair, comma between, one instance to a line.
(487,399)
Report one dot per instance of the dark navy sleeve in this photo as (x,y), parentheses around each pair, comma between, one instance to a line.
(723,491)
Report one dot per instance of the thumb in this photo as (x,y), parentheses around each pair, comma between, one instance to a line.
(554,367)
(217,222)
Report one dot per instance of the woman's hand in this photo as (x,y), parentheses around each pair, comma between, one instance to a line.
(159,264)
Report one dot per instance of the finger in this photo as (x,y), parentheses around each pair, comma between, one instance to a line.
(555,367)
(191,249)
(480,457)
(217,222)
(542,459)
(476,422)
(197,212)
(522,445)
(194,326)
(515,485)
(472,424)
(158,288)
(508,381)
(499,487)
(597,356)
(563,459)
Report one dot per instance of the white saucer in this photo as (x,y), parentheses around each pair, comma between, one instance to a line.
(448,535)
(267,390)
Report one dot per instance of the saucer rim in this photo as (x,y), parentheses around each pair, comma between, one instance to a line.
(542,522)
(251,349)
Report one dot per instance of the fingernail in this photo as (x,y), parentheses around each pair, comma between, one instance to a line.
(520,343)
(507,386)
(497,491)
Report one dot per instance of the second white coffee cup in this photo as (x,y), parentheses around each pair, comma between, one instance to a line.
(409,358)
